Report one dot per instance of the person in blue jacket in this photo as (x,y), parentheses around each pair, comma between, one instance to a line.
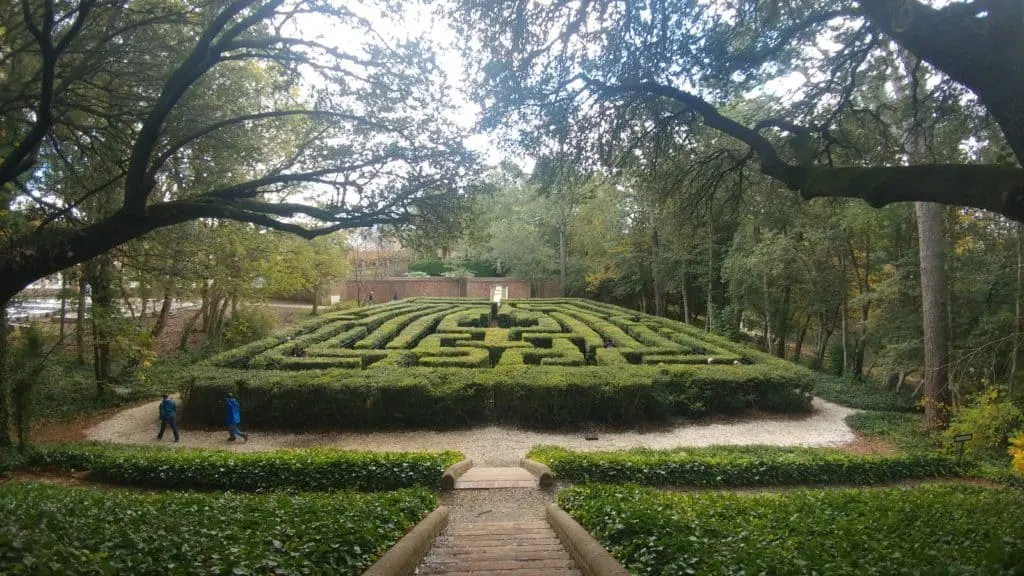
(234,417)
(168,416)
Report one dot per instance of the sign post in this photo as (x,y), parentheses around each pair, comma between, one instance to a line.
(960,440)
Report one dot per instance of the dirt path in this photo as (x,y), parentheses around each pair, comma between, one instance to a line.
(501,445)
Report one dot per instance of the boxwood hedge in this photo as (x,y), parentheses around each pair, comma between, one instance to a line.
(447,362)
(206,469)
(536,396)
(739,466)
(951,529)
(47,529)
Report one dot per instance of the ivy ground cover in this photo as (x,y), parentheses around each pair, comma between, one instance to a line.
(56,530)
(455,362)
(940,529)
(723,466)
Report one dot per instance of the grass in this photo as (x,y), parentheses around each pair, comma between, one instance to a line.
(904,431)
(861,395)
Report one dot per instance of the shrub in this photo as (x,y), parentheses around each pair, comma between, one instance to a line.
(539,396)
(990,419)
(246,325)
(925,530)
(738,466)
(59,530)
(301,470)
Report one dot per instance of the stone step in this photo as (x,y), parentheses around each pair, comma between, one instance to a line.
(498,549)
(491,477)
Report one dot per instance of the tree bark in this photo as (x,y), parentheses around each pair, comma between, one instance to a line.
(1018,320)
(316,299)
(5,384)
(686,296)
(933,299)
(709,325)
(561,261)
(161,319)
(63,302)
(798,348)
(659,285)
(100,270)
(843,313)
(80,318)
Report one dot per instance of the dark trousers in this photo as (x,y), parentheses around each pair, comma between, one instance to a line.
(233,431)
(163,426)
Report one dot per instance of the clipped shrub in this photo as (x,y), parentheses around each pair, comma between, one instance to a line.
(299,470)
(991,419)
(739,466)
(47,529)
(924,530)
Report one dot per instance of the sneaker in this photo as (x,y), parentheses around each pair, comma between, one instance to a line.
(246,437)
(232,439)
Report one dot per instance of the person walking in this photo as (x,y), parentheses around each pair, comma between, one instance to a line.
(369,299)
(234,418)
(168,416)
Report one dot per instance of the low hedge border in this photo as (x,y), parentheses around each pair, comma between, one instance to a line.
(304,470)
(739,466)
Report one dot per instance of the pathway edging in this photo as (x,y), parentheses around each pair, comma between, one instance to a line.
(590,557)
(403,558)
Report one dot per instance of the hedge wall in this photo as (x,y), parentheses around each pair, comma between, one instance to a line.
(722,466)
(442,363)
(204,469)
(538,396)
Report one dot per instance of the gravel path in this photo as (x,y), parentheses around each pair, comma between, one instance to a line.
(494,445)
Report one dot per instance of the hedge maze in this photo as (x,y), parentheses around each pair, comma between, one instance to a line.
(470,361)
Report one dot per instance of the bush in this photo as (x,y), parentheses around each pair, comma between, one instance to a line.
(861,395)
(925,530)
(246,325)
(990,419)
(299,470)
(738,466)
(440,363)
(538,396)
(58,530)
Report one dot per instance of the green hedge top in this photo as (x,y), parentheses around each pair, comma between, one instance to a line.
(59,530)
(721,466)
(942,529)
(318,469)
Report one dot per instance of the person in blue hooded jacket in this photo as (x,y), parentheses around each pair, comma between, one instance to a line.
(234,418)
(168,416)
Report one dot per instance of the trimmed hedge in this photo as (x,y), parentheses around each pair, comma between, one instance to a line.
(537,396)
(895,531)
(203,469)
(722,466)
(57,530)
(439,363)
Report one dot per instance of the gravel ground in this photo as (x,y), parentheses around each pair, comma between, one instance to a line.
(496,505)
(493,445)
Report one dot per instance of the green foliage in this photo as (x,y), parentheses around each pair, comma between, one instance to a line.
(952,529)
(429,266)
(296,470)
(56,530)
(903,430)
(991,419)
(738,466)
(246,325)
(536,396)
(861,394)
(430,362)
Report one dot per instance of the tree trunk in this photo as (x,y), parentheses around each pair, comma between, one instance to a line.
(100,271)
(709,325)
(659,285)
(316,299)
(80,319)
(842,311)
(686,297)
(933,299)
(798,349)
(561,261)
(5,385)
(1018,321)
(161,319)
(63,302)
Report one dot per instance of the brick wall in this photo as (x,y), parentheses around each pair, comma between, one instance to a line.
(385,288)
